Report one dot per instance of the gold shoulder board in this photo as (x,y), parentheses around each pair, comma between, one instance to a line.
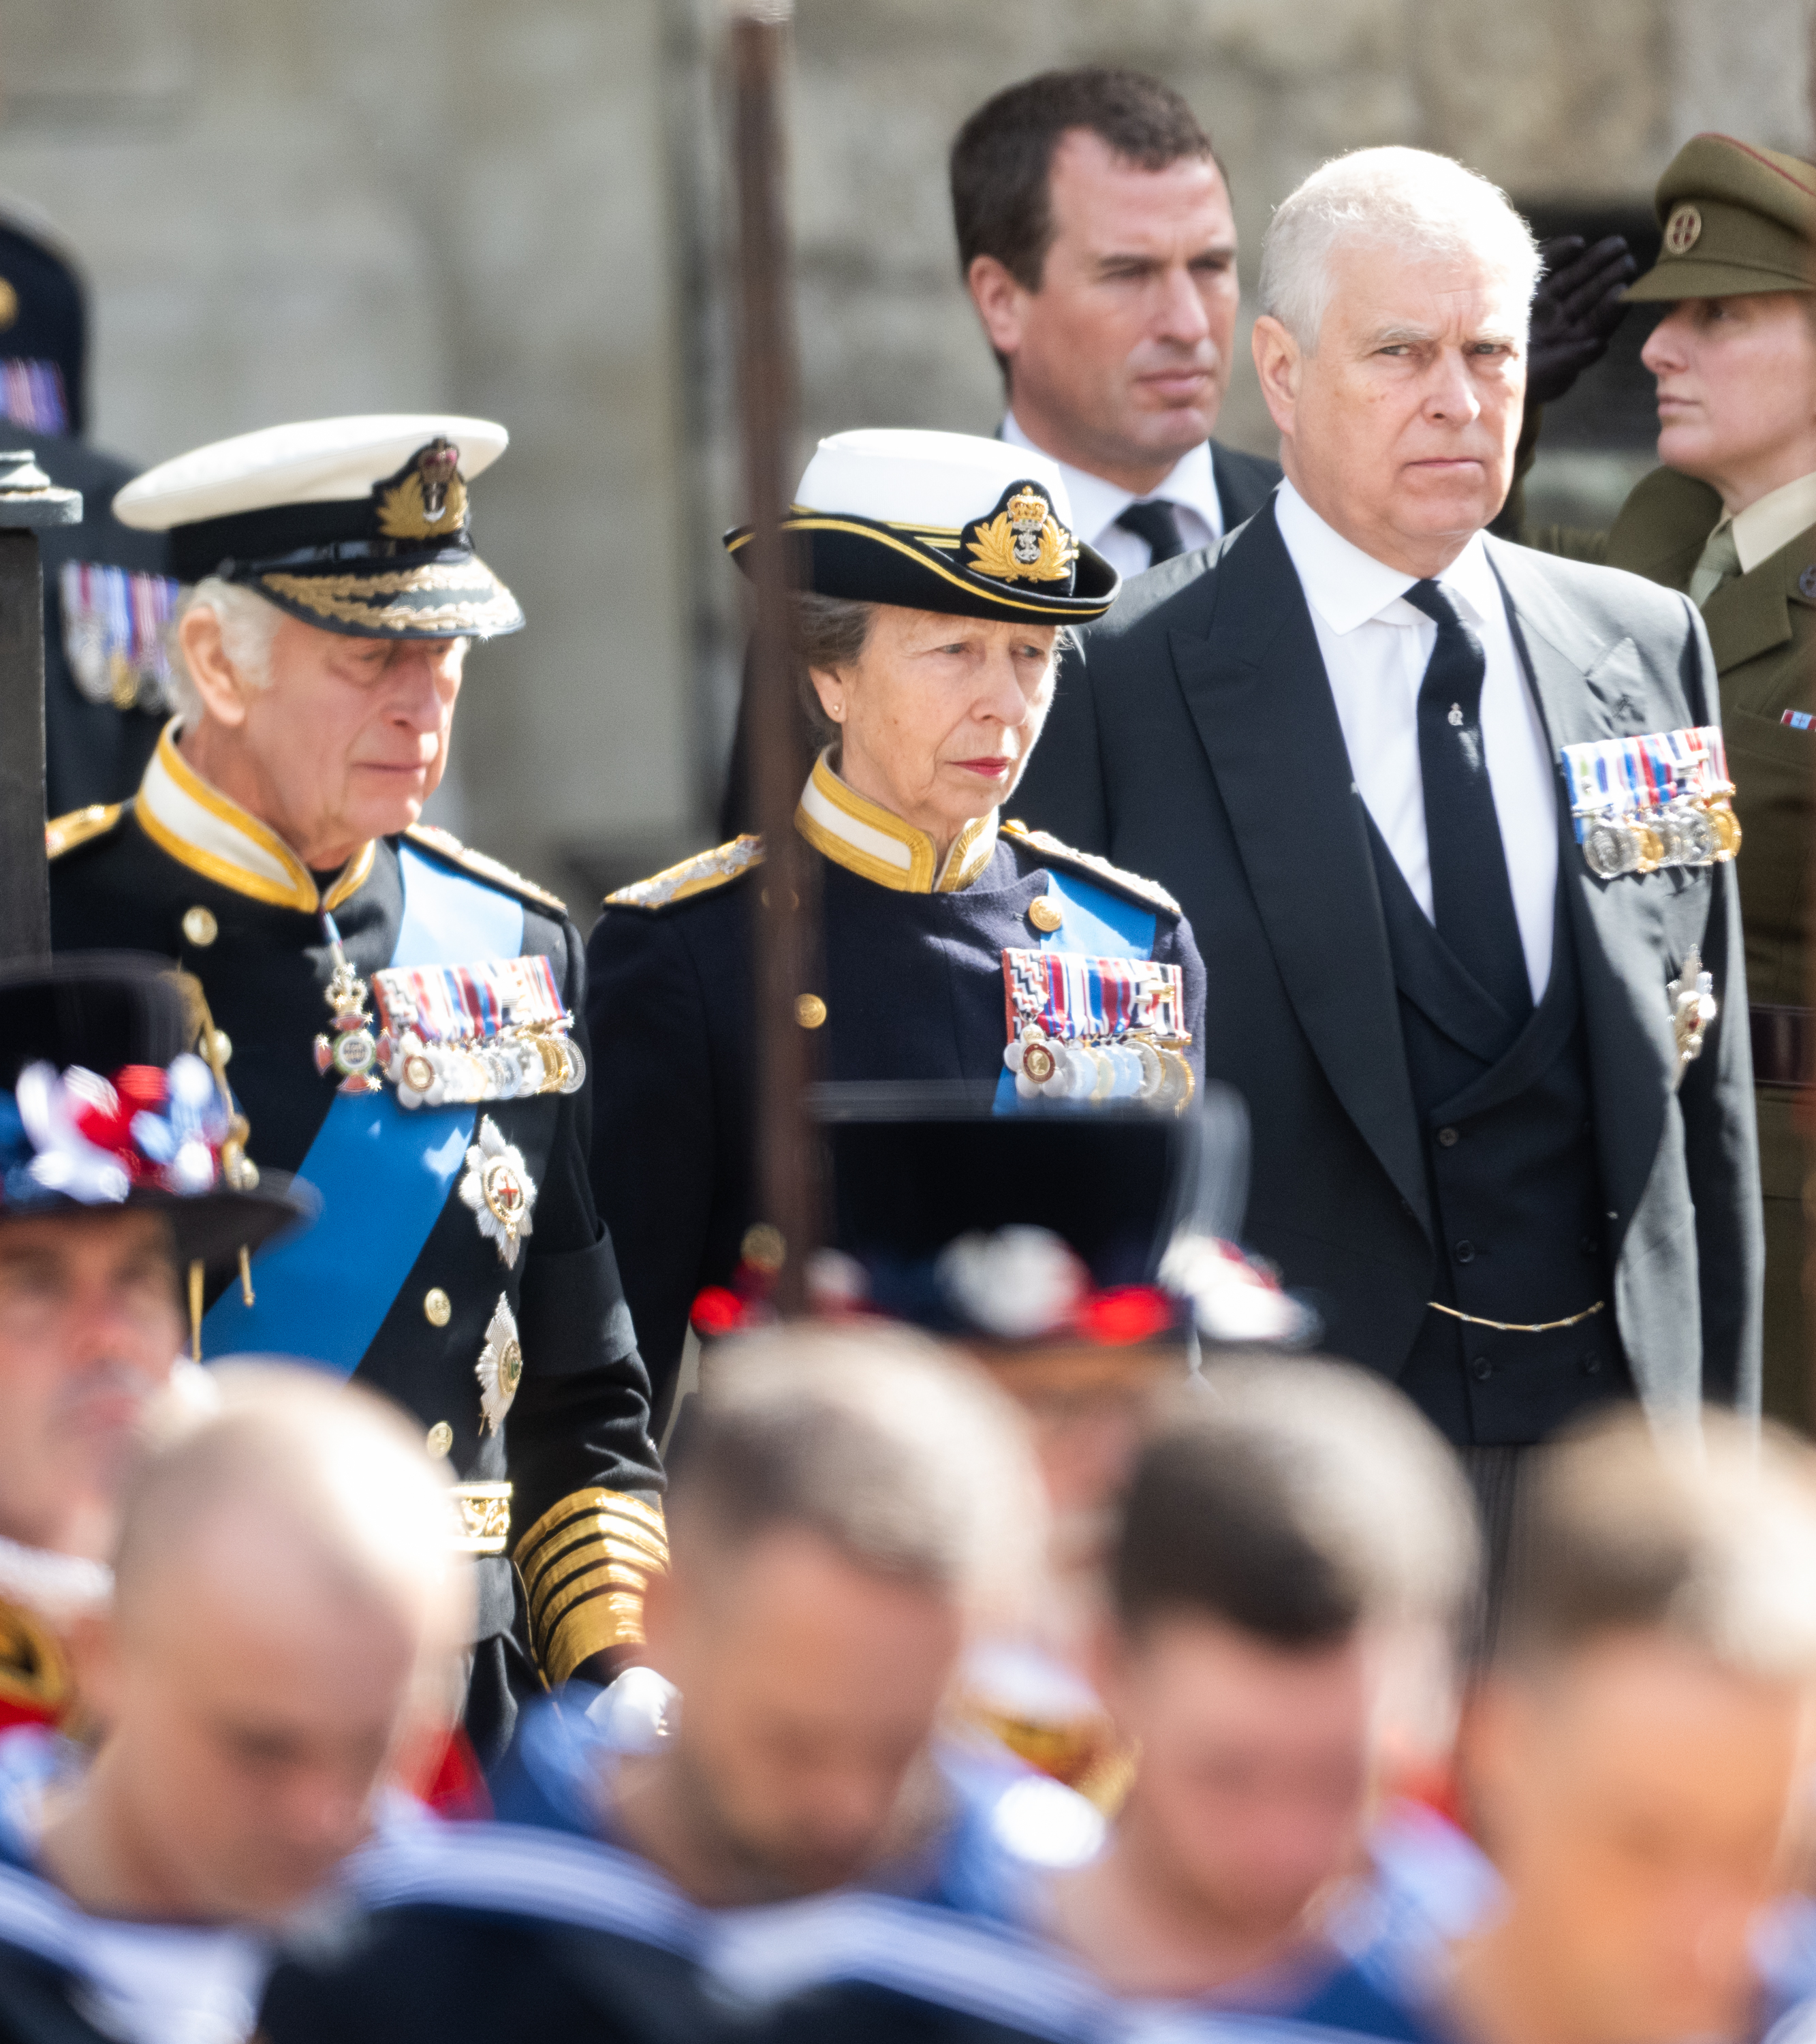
(697,875)
(63,834)
(1136,884)
(450,847)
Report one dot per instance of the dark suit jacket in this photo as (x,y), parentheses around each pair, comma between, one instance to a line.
(1194,737)
(1244,482)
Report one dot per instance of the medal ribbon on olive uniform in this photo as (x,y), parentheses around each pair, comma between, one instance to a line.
(384,1171)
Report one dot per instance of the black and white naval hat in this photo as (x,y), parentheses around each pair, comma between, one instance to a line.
(942,521)
(359,525)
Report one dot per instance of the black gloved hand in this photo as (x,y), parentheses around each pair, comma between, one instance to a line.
(1579,303)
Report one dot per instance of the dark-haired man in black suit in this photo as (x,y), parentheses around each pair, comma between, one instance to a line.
(1501,1105)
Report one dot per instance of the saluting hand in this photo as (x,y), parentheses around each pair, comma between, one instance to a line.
(1579,301)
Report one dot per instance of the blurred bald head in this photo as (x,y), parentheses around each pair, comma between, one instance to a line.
(287,1621)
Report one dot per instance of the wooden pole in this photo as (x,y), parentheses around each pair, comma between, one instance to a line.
(789,1191)
(27,501)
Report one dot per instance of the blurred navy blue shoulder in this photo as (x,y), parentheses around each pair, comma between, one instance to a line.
(443,845)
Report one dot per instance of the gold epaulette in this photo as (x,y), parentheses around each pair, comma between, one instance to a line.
(63,834)
(697,875)
(1136,884)
(585,1563)
(435,838)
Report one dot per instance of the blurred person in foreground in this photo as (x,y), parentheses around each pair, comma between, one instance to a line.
(1636,1759)
(1295,1555)
(1491,1032)
(1084,1262)
(1729,517)
(398,1013)
(848,1504)
(284,1641)
(120,1174)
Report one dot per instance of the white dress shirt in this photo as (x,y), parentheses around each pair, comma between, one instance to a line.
(1376,648)
(1190,487)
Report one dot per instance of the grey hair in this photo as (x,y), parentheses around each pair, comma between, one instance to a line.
(905,1459)
(1408,201)
(248,624)
(831,632)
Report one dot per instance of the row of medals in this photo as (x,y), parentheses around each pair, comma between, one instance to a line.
(1691,832)
(513,1065)
(1138,1066)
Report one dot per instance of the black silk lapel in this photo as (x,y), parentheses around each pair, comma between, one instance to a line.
(1257,691)
(1617,924)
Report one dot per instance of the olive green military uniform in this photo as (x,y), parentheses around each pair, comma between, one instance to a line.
(1739,220)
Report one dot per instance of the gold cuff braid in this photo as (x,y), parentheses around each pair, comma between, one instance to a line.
(585,1563)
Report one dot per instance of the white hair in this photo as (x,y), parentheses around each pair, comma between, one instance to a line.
(248,623)
(1409,200)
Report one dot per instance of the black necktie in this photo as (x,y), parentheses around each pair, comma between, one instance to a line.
(1471,894)
(1157,522)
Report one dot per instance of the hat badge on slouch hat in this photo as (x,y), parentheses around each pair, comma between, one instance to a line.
(945,522)
(356,525)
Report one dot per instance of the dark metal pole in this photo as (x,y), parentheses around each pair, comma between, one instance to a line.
(787,1180)
(27,501)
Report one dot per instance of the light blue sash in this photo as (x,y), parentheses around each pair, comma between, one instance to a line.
(384,1171)
(1095,922)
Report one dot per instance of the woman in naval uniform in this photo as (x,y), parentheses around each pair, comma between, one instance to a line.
(939,571)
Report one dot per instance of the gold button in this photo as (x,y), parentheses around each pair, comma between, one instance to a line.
(763,1247)
(1043,914)
(809,1010)
(440,1439)
(438,1309)
(199,925)
(222,1046)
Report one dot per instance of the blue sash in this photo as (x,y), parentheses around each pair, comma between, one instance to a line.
(384,1173)
(1095,922)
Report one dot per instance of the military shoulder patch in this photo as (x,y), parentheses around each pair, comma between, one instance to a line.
(432,838)
(697,875)
(1143,890)
(63,834)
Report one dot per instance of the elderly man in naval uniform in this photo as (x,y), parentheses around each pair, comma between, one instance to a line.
(397,1015)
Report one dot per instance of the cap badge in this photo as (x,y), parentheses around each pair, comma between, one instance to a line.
(1023,542)
(429,501)
(1682,229)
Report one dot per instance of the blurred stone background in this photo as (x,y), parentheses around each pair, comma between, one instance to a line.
(295,207)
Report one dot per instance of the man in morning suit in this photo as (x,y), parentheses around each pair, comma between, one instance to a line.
(394,1013)
(1502,1114)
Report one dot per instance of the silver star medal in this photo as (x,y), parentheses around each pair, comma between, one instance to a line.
(500,1369)
(500,1190)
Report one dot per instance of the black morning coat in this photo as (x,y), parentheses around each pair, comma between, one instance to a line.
(1194,736)
(913,985)
(579,1421)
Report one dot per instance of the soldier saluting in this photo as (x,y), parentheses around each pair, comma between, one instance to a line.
(399,1012)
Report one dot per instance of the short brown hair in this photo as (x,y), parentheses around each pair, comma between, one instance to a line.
(1297,1500)
(1708,1535)
(1002,159)
(901,1455)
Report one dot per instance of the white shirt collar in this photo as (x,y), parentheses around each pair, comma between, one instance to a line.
(1774,522)
(1097,505)
(1347,587)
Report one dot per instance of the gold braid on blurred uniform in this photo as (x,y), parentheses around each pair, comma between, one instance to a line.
(584,1564)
